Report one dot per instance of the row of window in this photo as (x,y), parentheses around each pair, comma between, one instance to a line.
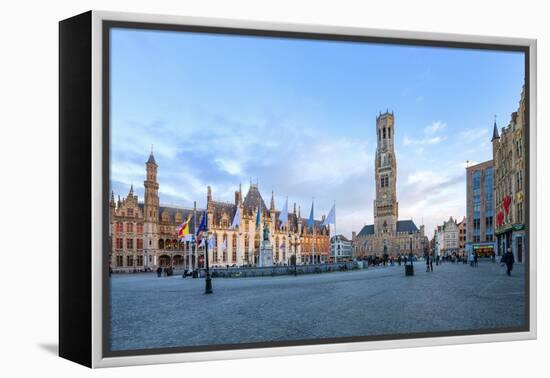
(119,227)
(477,238)
(119,261)
(119,243)
(383,135)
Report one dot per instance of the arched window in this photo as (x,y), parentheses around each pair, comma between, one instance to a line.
(389,132)
(384,133)
(246,249)
(234,249)
(277,249)
(161,244)
(224,249)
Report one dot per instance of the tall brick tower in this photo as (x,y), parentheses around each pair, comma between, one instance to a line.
(151,205)
(385,172)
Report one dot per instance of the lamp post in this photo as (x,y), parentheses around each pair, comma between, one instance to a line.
(208,280)
(409,268)
(294,258)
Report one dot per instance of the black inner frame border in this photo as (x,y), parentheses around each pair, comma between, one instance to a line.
(107,25)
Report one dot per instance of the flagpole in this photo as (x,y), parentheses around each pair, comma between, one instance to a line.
(194,238)
(335,254)
(313,243)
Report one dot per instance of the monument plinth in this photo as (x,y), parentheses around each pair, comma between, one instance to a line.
(266,250)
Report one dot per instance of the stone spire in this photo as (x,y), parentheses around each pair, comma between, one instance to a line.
(495,132)
(131,190)
(112,202)
(272,205)
(151,159)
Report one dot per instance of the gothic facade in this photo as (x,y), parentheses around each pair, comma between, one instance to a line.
(387,235)
(510,183)
(144,235)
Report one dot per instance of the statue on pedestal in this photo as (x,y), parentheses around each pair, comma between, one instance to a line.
(266,249)
(266,232)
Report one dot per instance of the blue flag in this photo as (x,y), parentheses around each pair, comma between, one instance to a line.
(202,226)
(310,220)
(283,217)
(259,216)
(331,217)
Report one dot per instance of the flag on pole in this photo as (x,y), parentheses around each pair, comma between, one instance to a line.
(236,219)
(259,216)
(283,217)
(202,243)
(310,220)
(331,217)
(212,242)
(202,226)
(183,229)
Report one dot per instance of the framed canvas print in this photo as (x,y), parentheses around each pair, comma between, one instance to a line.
(233,189)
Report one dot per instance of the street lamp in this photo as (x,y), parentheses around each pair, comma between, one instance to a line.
(208,281)
(409,268)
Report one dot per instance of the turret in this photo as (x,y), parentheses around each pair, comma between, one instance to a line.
(151,200)
(208,196)
(495,132)
(272,205)
(112,202)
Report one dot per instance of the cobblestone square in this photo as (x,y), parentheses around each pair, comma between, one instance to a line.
(151,312)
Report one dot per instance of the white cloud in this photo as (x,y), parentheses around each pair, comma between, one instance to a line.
(475,135)
(430,136)
(434,127)
(424,141)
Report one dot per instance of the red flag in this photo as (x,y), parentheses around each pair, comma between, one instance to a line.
(500,218)
(506,203)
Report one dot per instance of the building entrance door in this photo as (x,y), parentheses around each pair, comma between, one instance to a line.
(519,246)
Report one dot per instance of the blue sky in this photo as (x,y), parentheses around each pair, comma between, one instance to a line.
(298,117)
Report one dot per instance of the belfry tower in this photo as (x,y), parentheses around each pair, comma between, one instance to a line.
(385,172)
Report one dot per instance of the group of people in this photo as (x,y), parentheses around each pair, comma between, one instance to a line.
(386,259)
(168,271)
(507,260)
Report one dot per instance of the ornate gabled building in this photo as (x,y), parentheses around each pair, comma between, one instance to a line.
(510,183)
(387,235)
(447,238)
(241,245)
(144,235)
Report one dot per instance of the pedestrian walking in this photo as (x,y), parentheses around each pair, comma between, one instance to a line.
(428,261)
(159,272)
(475,259)
(508,260)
